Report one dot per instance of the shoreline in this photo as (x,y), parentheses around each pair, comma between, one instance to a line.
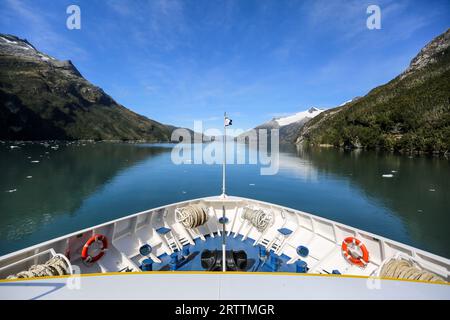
(387,151)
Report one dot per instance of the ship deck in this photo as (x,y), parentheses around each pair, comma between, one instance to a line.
(275,267)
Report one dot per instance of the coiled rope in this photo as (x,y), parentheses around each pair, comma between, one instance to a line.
(260,219)
(56,266)
(403,269)
(192,216)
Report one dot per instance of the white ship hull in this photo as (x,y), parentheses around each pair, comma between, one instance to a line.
(118,275)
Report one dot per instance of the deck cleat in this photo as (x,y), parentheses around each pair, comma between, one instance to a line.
(173,264)
(147,265)
(185,252)
(262,253)
(335,271)
(273,262)
(301,266)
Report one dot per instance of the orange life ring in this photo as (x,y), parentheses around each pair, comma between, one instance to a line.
(95,238)
(359,261)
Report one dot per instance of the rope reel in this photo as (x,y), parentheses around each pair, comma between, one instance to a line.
(259,218)
(56,266)
(404,269)
(191,216)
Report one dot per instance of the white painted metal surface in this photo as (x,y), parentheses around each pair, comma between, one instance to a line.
(323,238)
(228,286)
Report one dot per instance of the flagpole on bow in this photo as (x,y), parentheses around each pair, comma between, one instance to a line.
(223,220)
(224,161)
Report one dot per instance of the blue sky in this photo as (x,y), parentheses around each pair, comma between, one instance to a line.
(177,61)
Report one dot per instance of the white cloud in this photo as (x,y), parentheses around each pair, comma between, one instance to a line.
(159,24)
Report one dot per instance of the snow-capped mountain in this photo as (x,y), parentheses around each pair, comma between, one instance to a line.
(289,126)
(12,45)
(299,116)
(43,98)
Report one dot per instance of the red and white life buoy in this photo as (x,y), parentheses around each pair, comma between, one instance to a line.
(94,239)
(360,261)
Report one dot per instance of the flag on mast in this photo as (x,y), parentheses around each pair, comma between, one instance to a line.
(228,122)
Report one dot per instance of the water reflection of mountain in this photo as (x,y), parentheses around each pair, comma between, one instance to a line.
(60,182)
(423,212)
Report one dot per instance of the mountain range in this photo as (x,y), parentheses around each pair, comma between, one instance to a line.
(288,126)
(410,113)
(42,98)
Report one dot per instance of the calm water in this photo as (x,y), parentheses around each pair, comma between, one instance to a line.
(79,186)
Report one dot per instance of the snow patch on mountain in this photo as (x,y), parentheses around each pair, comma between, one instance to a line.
(299,116)
(344,103)
(13,45)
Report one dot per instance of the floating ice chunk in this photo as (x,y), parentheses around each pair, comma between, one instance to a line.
(388,175)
